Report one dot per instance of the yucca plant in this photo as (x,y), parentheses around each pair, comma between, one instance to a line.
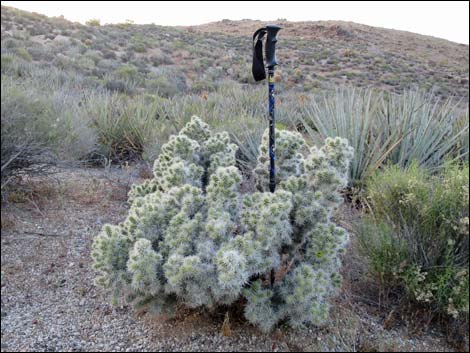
(123,127)
(431,129)
(464,146)
(415,126)
(354,114)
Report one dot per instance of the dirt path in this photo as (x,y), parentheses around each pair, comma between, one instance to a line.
(49,301)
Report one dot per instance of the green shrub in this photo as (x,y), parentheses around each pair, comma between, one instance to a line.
(160,59)
(7,62)
(108,53)
(41,53)
(15,66)
(163,86)
(86,62)
(417,236)
(24,54)
(384,251)
(94,22)
(127,72)
(138,47)
(26,136)
(114,85)
(167,82)
(202,86)
(192,237)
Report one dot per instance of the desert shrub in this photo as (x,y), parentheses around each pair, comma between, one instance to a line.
(39,126)
(115,85)
(26,138)
(417,237)
(93,22)
(127,72)
(167,82)
(50,36)
(15,66)
(160,59)
(462,148)
(24,54)
(202,86)
(163,86)
(138,47)
(192,237)
(40,53)
(10,43)
(86,62)
(42,107)
(108,53)
(66,32)
(63,62)
(242,74)
(7,62)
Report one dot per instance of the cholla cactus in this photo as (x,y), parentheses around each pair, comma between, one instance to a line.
(188,158)
(192,236)
(289,160)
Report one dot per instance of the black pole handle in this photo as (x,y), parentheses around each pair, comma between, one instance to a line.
(270,48)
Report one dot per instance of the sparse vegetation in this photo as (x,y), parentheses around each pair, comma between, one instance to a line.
(113,95)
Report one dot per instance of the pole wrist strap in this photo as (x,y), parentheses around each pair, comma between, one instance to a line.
(259,72)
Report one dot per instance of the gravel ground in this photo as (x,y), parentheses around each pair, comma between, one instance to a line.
(49,301)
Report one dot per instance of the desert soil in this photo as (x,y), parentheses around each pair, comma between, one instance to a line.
(50,303)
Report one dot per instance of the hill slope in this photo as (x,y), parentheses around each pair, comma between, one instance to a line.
(313,55)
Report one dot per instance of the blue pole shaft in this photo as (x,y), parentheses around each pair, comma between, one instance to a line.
(272,158)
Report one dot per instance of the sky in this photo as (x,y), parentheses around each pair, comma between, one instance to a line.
(443,19)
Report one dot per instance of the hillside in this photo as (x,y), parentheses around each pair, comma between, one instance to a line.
(112,183)
(313,55)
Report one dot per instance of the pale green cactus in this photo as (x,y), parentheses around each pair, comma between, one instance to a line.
(188,158)
(192,236)
(289,160)
(144,266)
(110,253)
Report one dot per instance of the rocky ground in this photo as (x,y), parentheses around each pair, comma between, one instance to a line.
(50,303)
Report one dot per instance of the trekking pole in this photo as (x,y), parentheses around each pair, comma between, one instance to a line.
(259,73)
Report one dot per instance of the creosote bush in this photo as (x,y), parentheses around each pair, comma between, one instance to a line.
(193,237)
